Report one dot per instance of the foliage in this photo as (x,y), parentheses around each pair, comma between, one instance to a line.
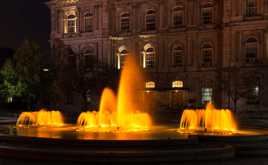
(23,76)
(11,86)
(28,67)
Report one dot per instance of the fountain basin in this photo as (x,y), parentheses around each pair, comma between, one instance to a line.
(154,146)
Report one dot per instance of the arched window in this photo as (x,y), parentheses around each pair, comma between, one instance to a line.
(88,21)
(71,24)
(251,49)
(178,17)
(125,22)
(207,15)
(251,8)
(150,20)
(149,56)
(207,55)
(88,57)
(178,56)
(122,56)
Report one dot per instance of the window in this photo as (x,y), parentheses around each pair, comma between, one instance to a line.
(150,20)
(178,56)
(207,16)
(149,57)
(177,84)
(207,55)
(88,18)
(150,85)
(72,60)
(125,22)
(254,90)
(71,26)
(178,16)
(207,94)
(122,57)
(251,8)
(251,50)
(88,57)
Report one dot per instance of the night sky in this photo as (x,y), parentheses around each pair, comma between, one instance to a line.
(22,19)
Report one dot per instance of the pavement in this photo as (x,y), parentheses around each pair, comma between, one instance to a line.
(237,161)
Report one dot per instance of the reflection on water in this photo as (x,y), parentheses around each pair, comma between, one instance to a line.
(70,132)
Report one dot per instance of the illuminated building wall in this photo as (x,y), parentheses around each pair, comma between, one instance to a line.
(203,43)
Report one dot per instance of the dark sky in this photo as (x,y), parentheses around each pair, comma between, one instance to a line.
(22,19)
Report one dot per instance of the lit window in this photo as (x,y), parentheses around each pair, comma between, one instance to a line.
(178,15)
(149,58)
(88,22)
(178,56)
(207,16)
(71,24)
(125,22)
(122,57)
(251,8)
(151,20)
(207,94)
(177,84)
(251,50)
(207,55)
(150,85)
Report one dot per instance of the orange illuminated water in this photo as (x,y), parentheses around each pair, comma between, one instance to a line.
(40,118)
(124,113)
(208,120)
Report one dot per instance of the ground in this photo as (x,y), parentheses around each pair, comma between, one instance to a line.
(237,161)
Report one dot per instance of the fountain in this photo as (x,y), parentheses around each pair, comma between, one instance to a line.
(122,131)
(209,120)
(122,113)
(40,118)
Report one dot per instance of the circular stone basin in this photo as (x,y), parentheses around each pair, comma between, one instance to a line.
(250,135)
(161,144)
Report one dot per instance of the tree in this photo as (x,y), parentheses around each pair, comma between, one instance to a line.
(11,87)
(28,69)
(234,85)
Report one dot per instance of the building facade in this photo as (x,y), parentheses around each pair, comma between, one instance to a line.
(203,49)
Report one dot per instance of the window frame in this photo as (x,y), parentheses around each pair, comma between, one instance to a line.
(207,55)
(177,12)
(88,22)
(151,23)
(125,26)
(150,54)
(178,51)
(251,8)
(71,24)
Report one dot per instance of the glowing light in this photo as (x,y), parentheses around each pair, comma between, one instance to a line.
(208,120)
(122,114)
(41,118)
(150,85)
(177,84)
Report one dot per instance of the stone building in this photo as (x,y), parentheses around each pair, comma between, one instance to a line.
(192,50)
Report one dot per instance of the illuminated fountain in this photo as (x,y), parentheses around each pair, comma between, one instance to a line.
(124,112)
(209,120)
(40,118)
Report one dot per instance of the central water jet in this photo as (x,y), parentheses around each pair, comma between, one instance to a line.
(124,113)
